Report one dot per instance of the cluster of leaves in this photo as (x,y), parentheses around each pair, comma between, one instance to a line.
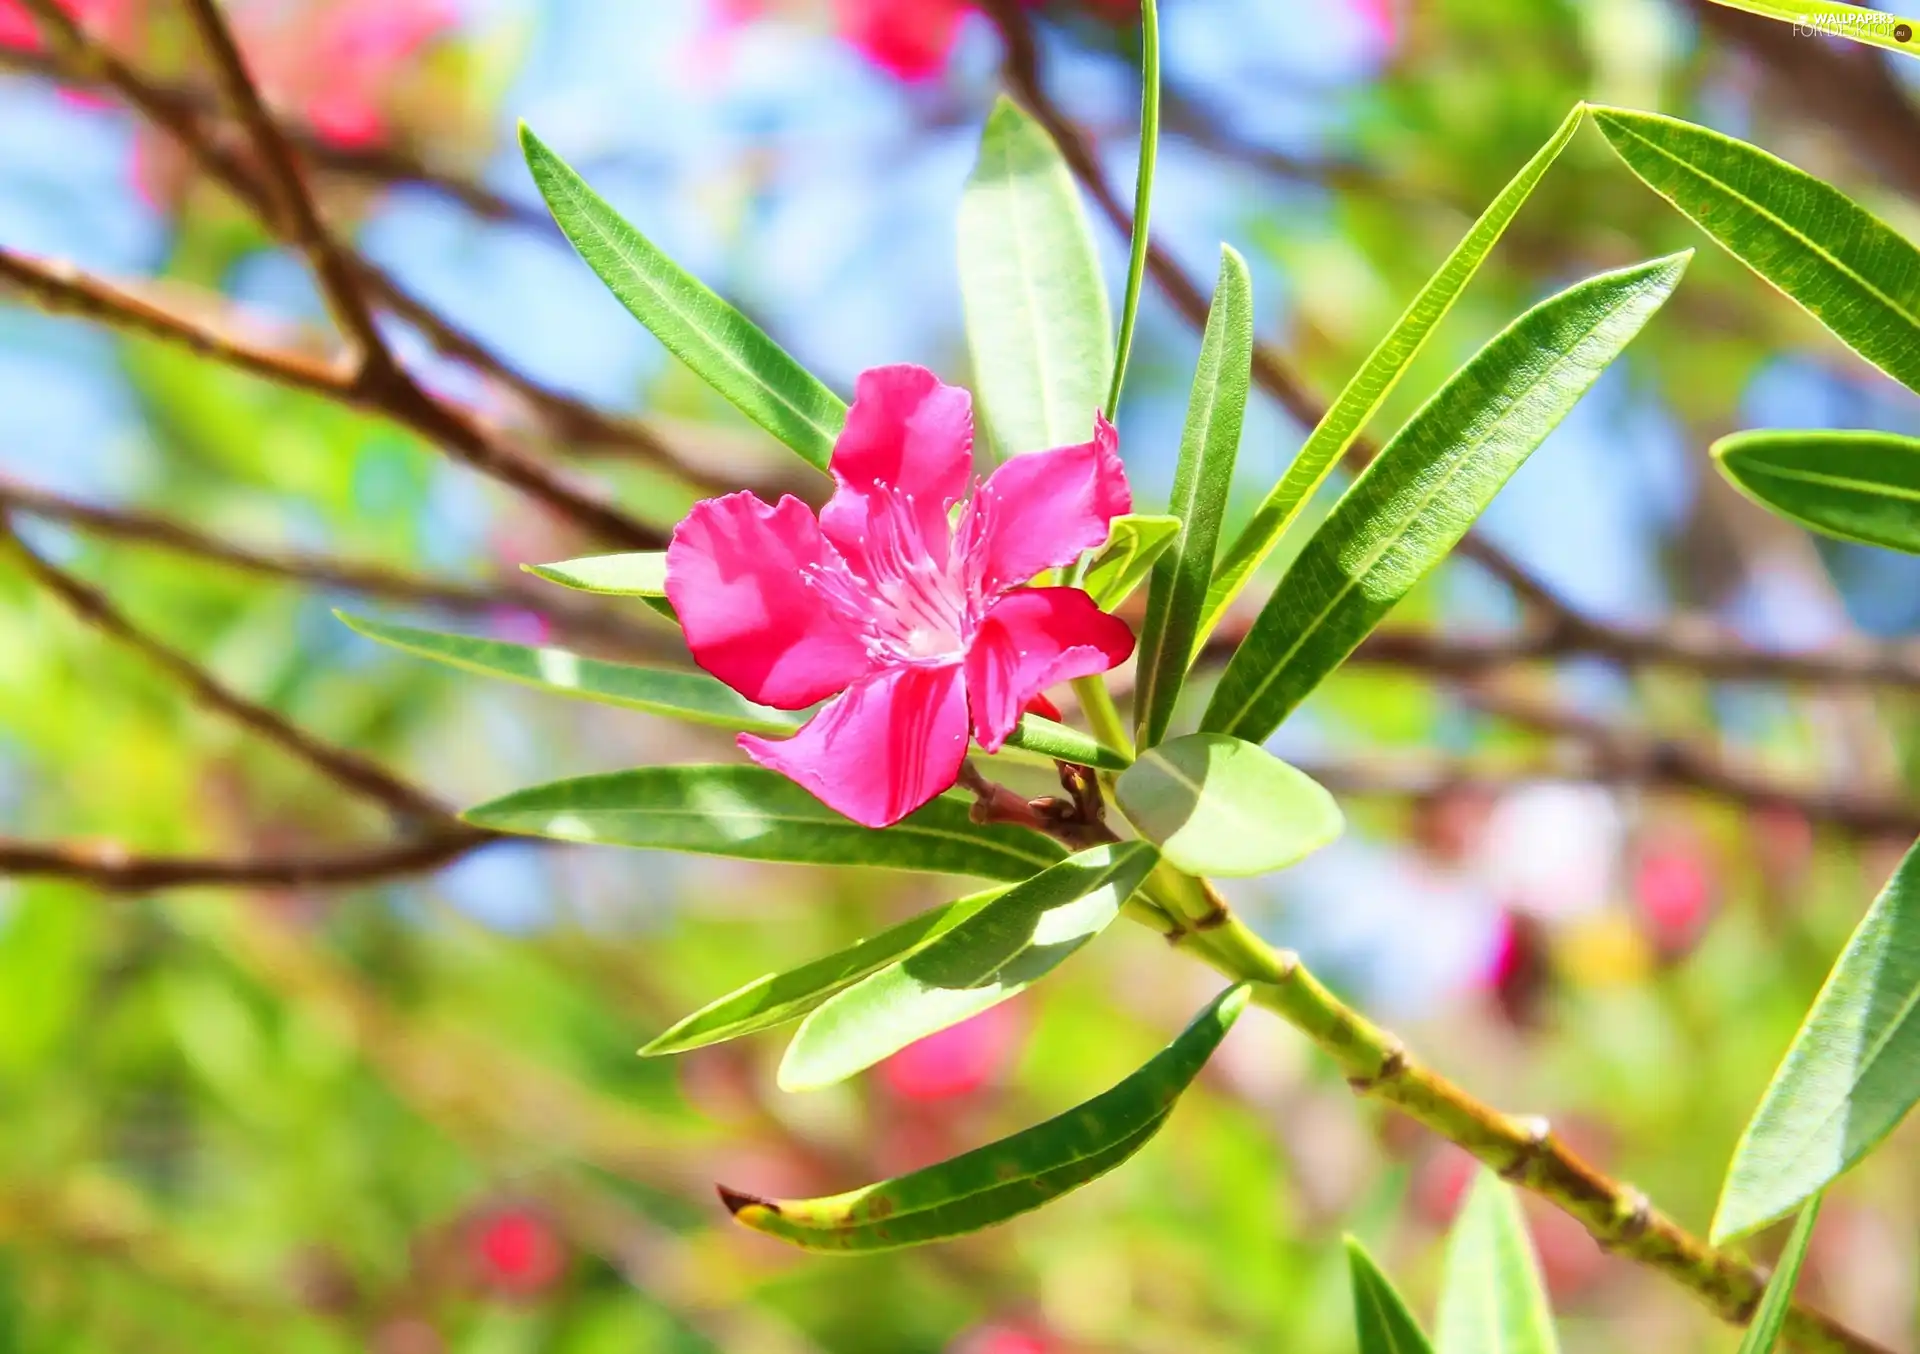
(1213,802)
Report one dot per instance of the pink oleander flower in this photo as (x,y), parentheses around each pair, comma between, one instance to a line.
(917,625)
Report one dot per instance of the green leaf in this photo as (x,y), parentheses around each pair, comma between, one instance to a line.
(1859,486)
(751,813)
(1004,948)
(1491,1298)
(1010,1177)
(1201,480)
(1133,544)
(1763,1333)
(1419,497)
(1064,744)
(780,997)
(1874,27)
(1370,386)
(1852,1072)
(1218,806)
(1142,195)
(721,346)
(692,696)
(1843,265)
(1379,1312)
(1037,320)
(640,573)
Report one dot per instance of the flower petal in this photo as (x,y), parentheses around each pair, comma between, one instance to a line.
(736,576)
(908,439)
(1041,510)
(1031,639)
(880,750)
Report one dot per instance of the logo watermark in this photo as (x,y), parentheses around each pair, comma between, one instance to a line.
(1860,25)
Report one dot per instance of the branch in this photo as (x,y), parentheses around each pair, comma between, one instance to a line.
(112,867)
(1692,644)
(577,614)
(58,287)
(1636,757)
(350,770)
(295,211)
(385,389)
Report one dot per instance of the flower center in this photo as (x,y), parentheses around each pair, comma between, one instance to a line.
(906,594)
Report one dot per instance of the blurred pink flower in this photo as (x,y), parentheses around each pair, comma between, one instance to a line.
(518,1253)
(1381,20)
(909,39)
(998,1338)
(958,1060)
(19,32)
(334,66)
(916,626)
(1674,891)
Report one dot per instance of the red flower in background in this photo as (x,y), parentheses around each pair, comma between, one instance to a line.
(921,625)
(517,1253)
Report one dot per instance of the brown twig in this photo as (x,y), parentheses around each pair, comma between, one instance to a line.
(352,771)
(571,611)
(294,209)
(113,867)
(1694,645)
(384,389)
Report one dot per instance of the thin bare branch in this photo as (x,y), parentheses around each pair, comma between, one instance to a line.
(350,770)
(295,210)
(113,867)
(574,613)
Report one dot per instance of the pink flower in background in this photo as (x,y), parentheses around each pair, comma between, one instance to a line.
(910,39)
(957,1061)
(334,65)
(920,625)
(517,1253)
(1674,888)
(19,32)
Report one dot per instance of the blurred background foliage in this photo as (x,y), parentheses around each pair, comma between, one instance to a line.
(403,1114)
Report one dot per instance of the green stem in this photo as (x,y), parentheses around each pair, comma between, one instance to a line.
(1523,1150)
(1142,194)
(1103,716)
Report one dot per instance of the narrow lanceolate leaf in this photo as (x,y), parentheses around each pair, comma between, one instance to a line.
(1217,805)
(1491,1298)
(722,347)
(1142,194)
(1010,1177)
(640,573)
(1415,502)
(1134,542)
(780,997)
(1370,386)
(1843,265)
(1001,950)
(1810,18)
(1037,320)
(692,696)
(1763,1333)
(1852,1072)
(1859,486)
(752,813)
(1215,414)
(1064,744)
(1379,1312)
